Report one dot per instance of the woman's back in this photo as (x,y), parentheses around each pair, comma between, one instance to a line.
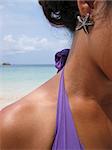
(31,122)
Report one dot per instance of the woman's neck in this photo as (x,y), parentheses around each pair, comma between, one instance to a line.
(83,77)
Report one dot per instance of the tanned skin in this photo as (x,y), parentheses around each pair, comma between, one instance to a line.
(30,123)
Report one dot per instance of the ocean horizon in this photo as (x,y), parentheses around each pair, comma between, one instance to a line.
(18,80)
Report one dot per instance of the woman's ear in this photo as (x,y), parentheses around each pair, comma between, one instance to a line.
(85,6)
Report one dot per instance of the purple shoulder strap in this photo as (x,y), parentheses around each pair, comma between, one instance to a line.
(66,135)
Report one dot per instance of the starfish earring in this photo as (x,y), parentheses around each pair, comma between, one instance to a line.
(84,23)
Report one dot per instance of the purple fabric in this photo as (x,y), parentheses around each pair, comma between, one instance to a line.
(60,58)
(66,137)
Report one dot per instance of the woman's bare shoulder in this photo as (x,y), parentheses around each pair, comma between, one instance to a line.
(29,113)
(45,93)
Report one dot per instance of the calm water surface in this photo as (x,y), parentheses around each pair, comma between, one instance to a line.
(18,80)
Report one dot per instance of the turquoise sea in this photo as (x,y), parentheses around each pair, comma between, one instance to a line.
(17,81)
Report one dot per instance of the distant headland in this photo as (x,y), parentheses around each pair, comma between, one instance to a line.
(6,64)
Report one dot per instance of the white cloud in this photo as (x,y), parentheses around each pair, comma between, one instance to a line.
(24,44)
(9,39)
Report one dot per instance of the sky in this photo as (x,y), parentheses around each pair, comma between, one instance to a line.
(26,37)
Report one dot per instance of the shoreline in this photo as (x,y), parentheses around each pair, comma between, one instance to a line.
(18,81)
(10,98)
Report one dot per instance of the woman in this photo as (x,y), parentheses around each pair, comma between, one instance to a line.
(73,110)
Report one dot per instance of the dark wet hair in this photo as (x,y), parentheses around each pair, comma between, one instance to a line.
(63,12)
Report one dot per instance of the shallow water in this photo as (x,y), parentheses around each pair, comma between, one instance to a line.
(17,81)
